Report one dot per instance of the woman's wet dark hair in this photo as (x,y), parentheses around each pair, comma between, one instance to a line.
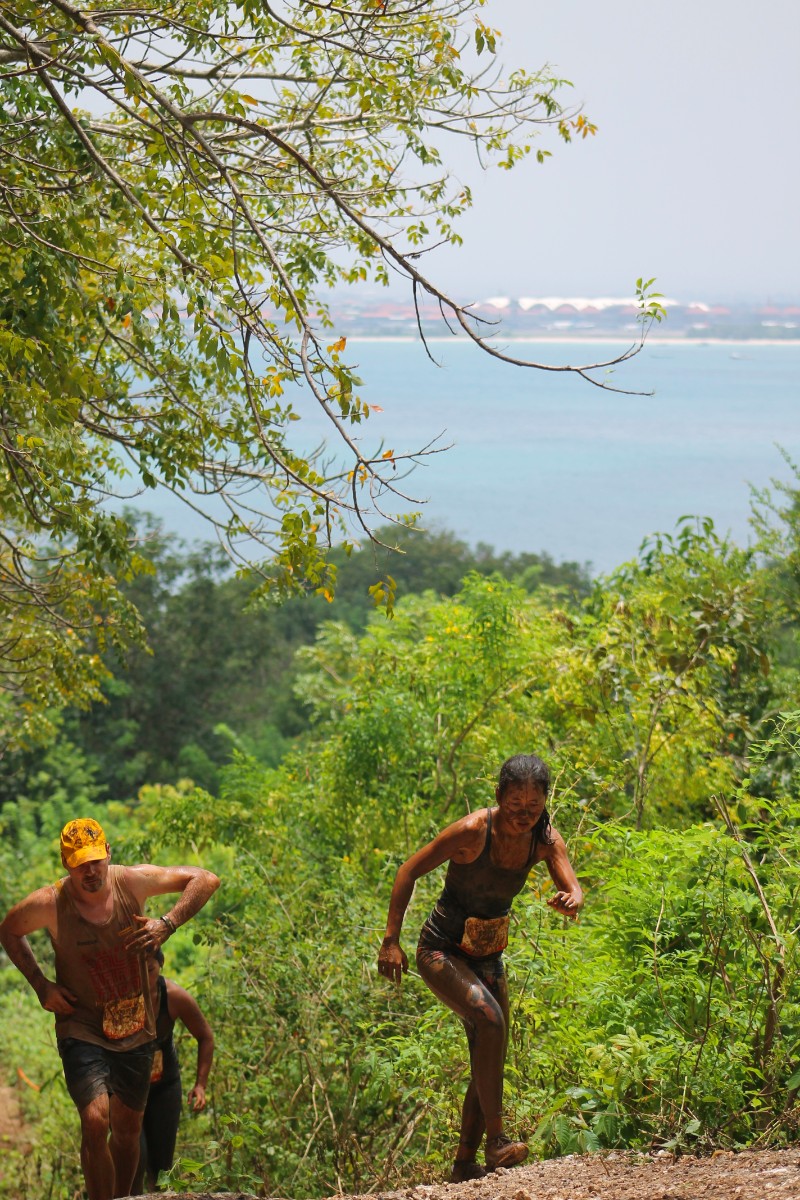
(524,768)
(528,768)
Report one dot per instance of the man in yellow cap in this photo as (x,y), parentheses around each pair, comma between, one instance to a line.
(105,1024)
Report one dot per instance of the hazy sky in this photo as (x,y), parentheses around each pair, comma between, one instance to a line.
(694,175)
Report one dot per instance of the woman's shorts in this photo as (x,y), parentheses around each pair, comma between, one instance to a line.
(489,970)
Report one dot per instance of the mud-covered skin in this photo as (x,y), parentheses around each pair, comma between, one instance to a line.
(478,994)
(494,850)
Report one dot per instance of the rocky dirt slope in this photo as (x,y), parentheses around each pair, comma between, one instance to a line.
(765,1175)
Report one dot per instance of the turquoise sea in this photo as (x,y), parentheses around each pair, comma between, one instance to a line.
(542,461)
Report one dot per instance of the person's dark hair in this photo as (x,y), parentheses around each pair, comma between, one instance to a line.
(158,955)
(524,768)
(528,768)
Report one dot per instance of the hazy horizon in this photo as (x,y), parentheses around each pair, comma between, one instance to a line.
(374,291)
(693,176)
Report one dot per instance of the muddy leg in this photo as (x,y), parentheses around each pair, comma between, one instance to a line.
(472,1125)
(96,1160)
(126,1126)
(472,1122)
(457,986)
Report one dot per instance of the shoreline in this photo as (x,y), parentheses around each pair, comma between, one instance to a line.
(577,341)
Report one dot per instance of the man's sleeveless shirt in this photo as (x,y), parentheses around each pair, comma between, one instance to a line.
(114,1008)
(478,889)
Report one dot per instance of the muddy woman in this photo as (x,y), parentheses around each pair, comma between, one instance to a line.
(490,854)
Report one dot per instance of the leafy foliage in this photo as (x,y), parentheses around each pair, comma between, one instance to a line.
(668,649)
(219,670)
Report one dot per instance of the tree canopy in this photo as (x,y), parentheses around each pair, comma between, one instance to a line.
(178,191)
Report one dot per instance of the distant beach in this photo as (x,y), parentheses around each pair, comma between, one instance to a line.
(594,320)
(654,340)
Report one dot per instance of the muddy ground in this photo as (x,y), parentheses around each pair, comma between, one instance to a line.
(762,1175)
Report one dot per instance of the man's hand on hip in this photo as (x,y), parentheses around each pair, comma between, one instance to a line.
(55,998)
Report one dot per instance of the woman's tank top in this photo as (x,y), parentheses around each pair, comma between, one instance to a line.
(113,996)
(166,1068)
(478,889)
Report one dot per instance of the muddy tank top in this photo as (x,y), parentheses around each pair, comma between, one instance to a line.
(480,889)
(114,1008)
(166,1068)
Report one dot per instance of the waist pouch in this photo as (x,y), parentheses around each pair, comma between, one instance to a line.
(122,1018)
(484,936)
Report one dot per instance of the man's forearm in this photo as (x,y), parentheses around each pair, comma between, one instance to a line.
(197,891)
(19,951)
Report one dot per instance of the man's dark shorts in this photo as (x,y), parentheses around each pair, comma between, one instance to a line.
(92,1071)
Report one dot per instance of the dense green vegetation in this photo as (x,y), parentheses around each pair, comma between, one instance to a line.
(665,699)
(220,672)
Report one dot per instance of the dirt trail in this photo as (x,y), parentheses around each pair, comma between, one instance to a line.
(13,1131)
(12,1127)
(763,1175)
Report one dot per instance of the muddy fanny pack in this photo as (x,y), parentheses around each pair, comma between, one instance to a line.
(122,1018)
(484,936)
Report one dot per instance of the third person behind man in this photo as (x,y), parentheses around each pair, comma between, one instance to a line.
(162,1114)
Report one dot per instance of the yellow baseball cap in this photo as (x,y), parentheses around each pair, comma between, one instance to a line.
(81,841)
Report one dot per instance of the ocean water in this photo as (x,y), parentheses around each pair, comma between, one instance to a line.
(542,461)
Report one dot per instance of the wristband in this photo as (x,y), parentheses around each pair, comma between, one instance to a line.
(169,924)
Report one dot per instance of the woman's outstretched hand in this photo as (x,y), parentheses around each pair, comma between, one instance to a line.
(392,960)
